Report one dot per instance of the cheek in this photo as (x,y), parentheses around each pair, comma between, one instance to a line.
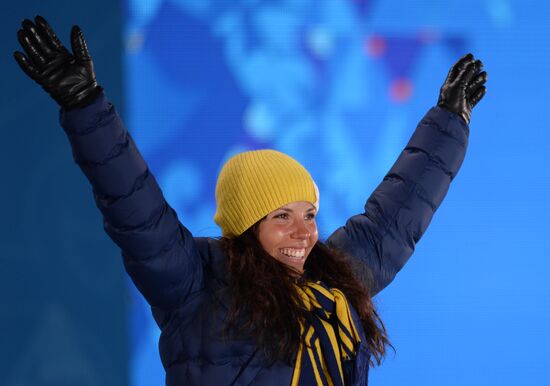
(270,237)
(314,232)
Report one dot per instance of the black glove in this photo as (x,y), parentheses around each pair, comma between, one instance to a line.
(68,78)
(464,87)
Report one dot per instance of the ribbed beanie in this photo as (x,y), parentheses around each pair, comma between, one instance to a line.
(254,183)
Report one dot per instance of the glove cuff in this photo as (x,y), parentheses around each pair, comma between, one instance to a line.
(84,98)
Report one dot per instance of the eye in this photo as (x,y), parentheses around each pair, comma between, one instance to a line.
(310,216)
(281,216)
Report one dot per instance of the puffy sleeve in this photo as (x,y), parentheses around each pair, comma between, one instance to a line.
(159,253)
(381,240)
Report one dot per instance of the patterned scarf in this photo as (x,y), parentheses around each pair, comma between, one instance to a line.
(330,337)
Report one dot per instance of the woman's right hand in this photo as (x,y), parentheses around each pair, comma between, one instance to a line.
(69,78)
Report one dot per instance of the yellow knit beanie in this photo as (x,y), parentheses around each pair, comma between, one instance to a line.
(254,183)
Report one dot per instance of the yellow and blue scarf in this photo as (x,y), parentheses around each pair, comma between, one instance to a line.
(329,337)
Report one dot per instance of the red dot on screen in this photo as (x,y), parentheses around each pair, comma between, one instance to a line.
(400,90)
(375,46)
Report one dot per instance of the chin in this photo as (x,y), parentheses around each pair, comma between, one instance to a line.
(296,264)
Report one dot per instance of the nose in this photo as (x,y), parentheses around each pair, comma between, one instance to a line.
(301,231)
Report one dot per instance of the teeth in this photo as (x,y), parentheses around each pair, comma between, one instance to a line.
(292,252)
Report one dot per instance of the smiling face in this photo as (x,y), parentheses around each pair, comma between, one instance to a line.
(289,233)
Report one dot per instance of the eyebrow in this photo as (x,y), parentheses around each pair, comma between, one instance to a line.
(290,210)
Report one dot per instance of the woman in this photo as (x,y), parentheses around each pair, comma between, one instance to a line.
(267,304)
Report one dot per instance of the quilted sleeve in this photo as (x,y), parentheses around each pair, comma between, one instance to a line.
(159,252)
(381,240)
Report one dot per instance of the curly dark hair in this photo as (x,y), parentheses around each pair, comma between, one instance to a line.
(262,287)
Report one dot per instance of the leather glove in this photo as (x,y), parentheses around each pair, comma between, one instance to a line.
(464,87)
(68,78)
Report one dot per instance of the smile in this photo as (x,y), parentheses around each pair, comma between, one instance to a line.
(294,253)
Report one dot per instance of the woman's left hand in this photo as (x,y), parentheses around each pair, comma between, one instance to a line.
(464,87)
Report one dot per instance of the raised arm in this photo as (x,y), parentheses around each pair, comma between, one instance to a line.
(159,253)
(381,240)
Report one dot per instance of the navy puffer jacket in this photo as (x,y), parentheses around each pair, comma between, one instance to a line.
(182,277)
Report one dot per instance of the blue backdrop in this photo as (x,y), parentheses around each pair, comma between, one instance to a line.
(338,84)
